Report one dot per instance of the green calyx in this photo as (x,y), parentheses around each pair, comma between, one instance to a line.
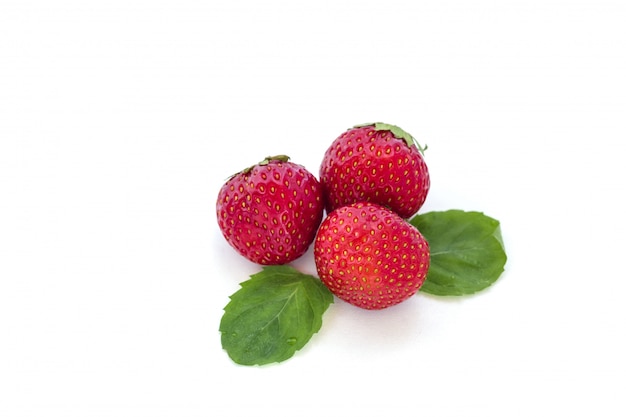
(398,133)
(267,160)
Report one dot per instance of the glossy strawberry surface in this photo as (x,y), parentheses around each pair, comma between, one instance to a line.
(271,211)
(369,256)
(379,163)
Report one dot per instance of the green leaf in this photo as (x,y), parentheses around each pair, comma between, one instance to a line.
(398,132)
(274,314)
(466,251)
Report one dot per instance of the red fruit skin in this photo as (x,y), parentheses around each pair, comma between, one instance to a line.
(270,213)
(365,164)
(370,257)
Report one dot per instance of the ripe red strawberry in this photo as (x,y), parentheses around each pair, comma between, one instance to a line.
(270,212)
(379,163)
(369,256)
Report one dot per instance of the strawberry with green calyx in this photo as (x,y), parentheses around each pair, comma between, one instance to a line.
(379,163)
(270,212)
(369,256)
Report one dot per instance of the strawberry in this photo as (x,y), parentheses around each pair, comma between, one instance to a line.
(270,211)
(379,163)
(369,256)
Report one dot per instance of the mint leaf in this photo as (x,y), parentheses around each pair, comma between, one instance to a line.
(466,251)
(274,314)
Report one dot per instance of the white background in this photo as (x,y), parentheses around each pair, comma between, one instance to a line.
(120,120)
